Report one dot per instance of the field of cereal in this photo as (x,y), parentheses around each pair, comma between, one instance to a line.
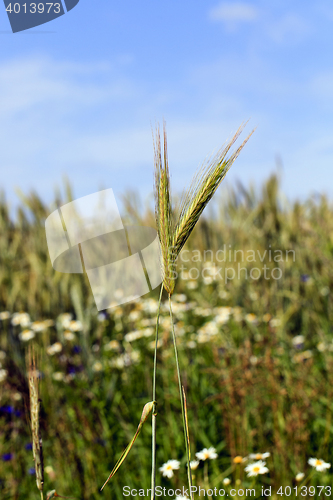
(253,314)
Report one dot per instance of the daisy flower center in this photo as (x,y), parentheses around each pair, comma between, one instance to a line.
(256,469)
(258,456)
(319,462)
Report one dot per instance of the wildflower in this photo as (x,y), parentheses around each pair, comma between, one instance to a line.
(3,375)
(180,297)
(192,285)
(274,322)
(266,317)
(113,345)
(7,456)
(253,360)
(304,278)
(298,341)
(65,319)
(299,476)
(101,317)
(4,315)
(256,468)
(97,366)
(7,409)
(22,319)
(207,453)
(68,335)
(319,464)
(28,446)
(251,318)
(38,326)
(54,348)
(207,279)
(168,468)
(26,335)
(194,464)
(191,344)
(324,291)
(226,481)
(321,347)
(58,376)
(31,471)
(131,336)
(238,459)
(75,326)
(2,355)
(181,497)
(259,456)
(134,315)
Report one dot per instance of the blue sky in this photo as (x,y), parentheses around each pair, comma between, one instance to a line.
(79,95)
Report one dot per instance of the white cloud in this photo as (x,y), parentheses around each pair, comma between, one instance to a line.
(289,29)
(232,14)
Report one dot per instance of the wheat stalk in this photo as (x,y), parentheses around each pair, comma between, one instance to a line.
(173,238)
(37,449)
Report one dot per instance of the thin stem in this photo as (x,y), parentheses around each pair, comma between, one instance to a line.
(153,422)
(189,474)
(206,473)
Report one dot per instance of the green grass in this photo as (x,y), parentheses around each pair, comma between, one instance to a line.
(249,388)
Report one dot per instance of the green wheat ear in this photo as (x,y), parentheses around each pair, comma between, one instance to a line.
(202,189)
(163,211)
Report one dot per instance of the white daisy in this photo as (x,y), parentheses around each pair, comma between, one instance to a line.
(256,468)
(26,335)
(226,481)
(68,335)
(75,326)
(168,468)
(54,349)
(299,476)
(206,453)
(194,464)
(259,456)
(319,464)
